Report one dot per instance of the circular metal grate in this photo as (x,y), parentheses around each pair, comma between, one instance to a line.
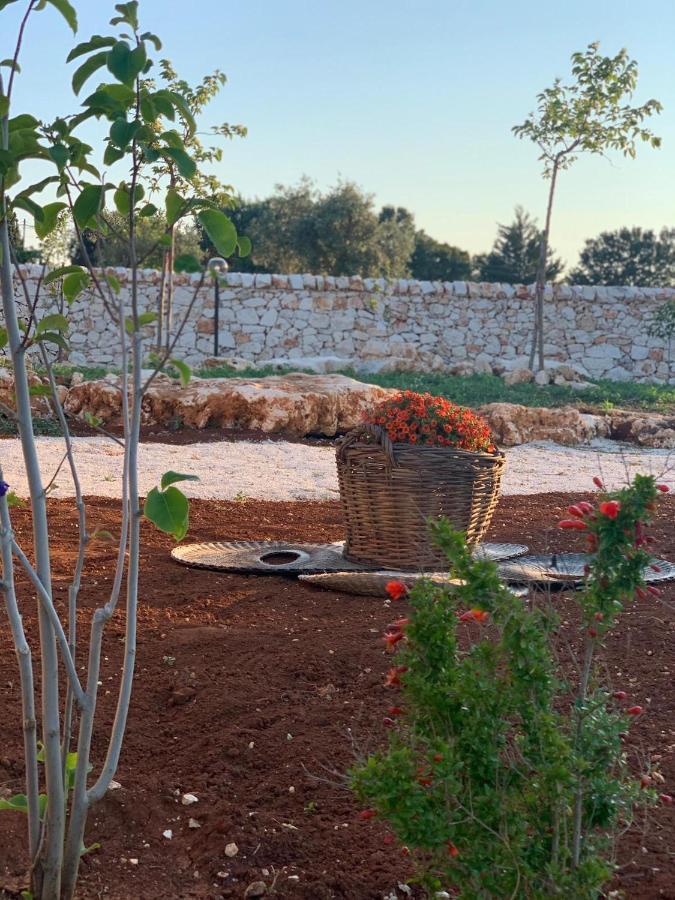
(566,568)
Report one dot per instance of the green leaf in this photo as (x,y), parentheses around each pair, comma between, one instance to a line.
(51,337)
(145,318)
(113,282)
(186,262)
(91,419)
(184,373)
(59,154)
(52,322)
(74,284)
(11,64)
(184,163)
(112,155)
(13,501)
(87,69)
(149,36)
(163,103)
(19,803)
(23,202)
(95,42)
(22,122)
(148,210)
(171,477)
(50,215)
(66,11)
(175,205)
(3,338)
(4,105)
(121,199)
(169,511)
(87,204)
(55,274)
(244,246)
(182,105)
(126,64)
(128,14)
(220,230)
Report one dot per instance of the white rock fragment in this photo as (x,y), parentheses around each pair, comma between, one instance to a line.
(189,799)
(193,823)
(168,834)
(114,786)
(231,849)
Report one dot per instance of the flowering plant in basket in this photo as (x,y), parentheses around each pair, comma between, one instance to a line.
(413,418)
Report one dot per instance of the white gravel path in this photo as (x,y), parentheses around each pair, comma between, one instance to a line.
(277,470)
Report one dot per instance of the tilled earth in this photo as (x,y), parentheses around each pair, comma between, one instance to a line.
(256,694)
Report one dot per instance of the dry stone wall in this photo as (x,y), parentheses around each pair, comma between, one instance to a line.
(378,324)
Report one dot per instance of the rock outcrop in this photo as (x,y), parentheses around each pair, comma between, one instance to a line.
(295,404)
(513,424)
(644,429)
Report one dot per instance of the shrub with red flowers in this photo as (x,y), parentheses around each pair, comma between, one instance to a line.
(502,777)
(412,418)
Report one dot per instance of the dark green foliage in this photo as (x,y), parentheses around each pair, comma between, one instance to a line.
(502,778)
(436,261)
(515,255)
(633,256)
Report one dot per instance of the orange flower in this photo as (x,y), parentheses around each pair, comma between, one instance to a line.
(396,589)
(474,615)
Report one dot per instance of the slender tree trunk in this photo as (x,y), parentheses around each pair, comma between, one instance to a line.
(537,348)
(161,306)
(169,301)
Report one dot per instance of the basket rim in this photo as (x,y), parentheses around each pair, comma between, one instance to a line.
(400,445)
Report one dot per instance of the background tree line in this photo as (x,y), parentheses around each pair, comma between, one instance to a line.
(341,232)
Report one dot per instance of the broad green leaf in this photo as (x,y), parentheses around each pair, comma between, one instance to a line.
(52,322)
(38,186)
(95,42)
(149,36)
(148,210)
(3,338)
(23,202)
(186,262)
(182,105)
(87,69)
(171,477)
(19,803)
(184,372)
(175,206)
(163,103)
(144,319)
(51,337)
(88,203)
(244,246)
(4,3)
(128,14)
(74,284)
(220,230)
(50,216)
(112,155)
(126,64)
(66,11)
(11,64)
(55,274)
(22,122)
(59,154)
(184,163)
(169,511)
(121,199)
(113,282)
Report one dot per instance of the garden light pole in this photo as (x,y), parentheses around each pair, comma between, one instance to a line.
(217,267)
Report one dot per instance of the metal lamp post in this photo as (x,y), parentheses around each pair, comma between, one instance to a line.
(217,266)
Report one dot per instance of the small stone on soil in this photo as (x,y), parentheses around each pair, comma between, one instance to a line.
(231,849)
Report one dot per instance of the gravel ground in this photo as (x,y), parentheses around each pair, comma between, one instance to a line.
(276,470)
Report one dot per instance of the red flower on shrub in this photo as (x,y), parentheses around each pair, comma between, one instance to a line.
(610,508)
(396,589)
(474,615)
(411,418)
(663,488)
(634,710)
(393,676)
(391,639)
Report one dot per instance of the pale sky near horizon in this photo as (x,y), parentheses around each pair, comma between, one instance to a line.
(412,99)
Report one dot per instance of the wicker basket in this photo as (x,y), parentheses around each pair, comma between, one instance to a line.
(390,491)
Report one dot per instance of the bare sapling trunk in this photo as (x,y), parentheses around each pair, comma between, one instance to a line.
(537,346)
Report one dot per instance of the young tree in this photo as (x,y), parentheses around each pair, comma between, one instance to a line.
(633,256)
(514,257)
(436,261)
(139,121)
(591,115)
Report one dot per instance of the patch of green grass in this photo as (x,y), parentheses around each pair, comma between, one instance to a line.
(475,390)
(41,426)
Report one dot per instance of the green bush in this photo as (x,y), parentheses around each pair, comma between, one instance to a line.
(502,777)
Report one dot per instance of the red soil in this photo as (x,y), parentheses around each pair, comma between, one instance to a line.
(256,694)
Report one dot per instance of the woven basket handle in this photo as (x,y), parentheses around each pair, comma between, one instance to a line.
(379,434)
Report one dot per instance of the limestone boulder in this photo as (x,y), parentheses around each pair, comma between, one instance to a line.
(644,429)
(294,404)
(321,365)
(39,404)
(518,376)
(513,424)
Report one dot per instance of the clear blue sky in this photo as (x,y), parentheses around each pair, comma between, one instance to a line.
(412,99)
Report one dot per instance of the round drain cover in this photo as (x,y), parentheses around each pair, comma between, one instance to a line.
(566,568)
